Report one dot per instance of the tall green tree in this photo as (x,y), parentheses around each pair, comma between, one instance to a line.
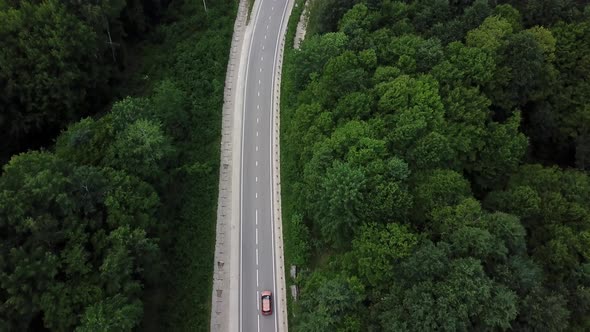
(331,302)
(437,292)
(553,207)
(112,314)
(377,249)
(502,153)
(86,142)
(327,14)
(338,203)
(435,189)
(140,149)
(314,53)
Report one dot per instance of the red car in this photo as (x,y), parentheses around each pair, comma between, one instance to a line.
(266,299)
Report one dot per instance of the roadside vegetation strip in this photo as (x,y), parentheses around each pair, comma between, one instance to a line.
(194,54)
(191,53)
(294,252)
(250,6)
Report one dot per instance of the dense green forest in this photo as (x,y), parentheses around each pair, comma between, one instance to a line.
(111,225)
(434,158)
(62,60)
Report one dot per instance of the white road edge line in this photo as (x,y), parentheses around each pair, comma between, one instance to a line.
(272,113)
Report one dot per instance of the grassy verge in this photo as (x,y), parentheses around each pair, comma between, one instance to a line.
(191,48)
(291,233)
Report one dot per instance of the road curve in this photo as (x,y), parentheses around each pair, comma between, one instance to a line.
(257,236)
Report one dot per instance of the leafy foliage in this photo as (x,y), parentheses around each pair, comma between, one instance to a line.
(59,60)
(378,248)
(48,68)
(331,303)
(72,236)
(101,234)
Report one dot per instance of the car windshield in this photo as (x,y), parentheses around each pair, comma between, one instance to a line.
(266,303)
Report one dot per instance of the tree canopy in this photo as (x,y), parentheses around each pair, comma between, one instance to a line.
(72,237)
(414,135)
(98,232)
(59,61)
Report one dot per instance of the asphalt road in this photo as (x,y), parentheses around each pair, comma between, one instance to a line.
(257,263)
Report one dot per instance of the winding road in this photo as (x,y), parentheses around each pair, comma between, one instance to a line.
(258,270)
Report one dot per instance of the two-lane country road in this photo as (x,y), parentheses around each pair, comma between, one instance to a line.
(257,236)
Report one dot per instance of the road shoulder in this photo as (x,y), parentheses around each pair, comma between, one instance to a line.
(278,228)
(224,300)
